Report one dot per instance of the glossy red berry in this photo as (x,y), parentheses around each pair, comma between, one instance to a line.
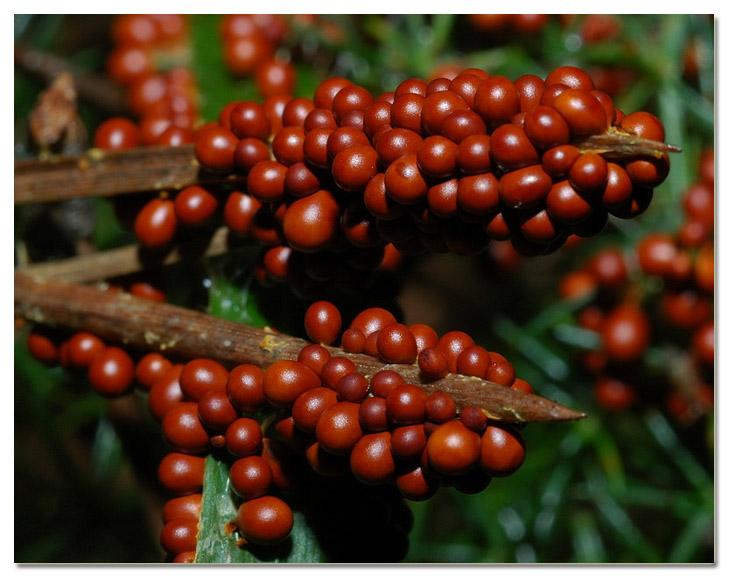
(500,371)
(525,188)
(546,128)
(453,449)
(384,382)
(406,404)
(349,98)
(285,380)
(181,474)
(497,101)
(583,112)
(437,107)
(396,344)
(352,387)
(244,437)
(194,206)
(353,341)
(407,442)
(451,345)
(216,411)
(183,430)
(179,536)
(116,134)
(473,418)
(314,357)
(239,212)
(432,363)
(244,387)
(353,167)
(309,406)
(371,460)
(312,222)
(395,143)
(201,375)
(570,76)
(589,173)
(214,148)
(322,322)
(185,507)
(338,428)
(165,392)
(473,156)
(473,361)
(502,451)
(510,148)
(250,477)
(416,484)
(156,223)
(111,372)
(266,520)
(83,347)
(440,407)
(335,368)
(373,415)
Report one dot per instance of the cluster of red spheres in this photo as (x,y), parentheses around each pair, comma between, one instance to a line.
(682,321)
(250,42)
(164,101)
(444,166)
(380,429)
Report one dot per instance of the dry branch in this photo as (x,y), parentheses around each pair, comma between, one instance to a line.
(126,260)
(176,331)
(99,173)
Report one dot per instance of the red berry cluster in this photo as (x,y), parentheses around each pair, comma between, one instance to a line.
(383,429)
(110,369)
(249,46)
(683,324)
(164,219)
(380,429)
(376,332)
(164,100)
(444,166)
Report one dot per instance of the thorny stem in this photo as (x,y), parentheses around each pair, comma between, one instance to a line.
(178,332)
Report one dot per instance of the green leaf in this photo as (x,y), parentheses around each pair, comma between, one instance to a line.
(216,544)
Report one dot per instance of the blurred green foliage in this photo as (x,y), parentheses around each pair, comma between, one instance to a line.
(632,487)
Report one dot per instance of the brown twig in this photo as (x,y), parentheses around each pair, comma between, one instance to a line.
(99,173)
(618,144)
(105,173)
(176,331)
(126,260)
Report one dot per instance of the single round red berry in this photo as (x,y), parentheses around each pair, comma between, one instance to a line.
(111,373)
(266,520)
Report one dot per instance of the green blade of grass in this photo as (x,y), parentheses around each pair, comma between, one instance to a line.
(216,544)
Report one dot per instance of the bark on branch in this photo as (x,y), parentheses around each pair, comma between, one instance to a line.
(176,331)
(99,173)
(105,173)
